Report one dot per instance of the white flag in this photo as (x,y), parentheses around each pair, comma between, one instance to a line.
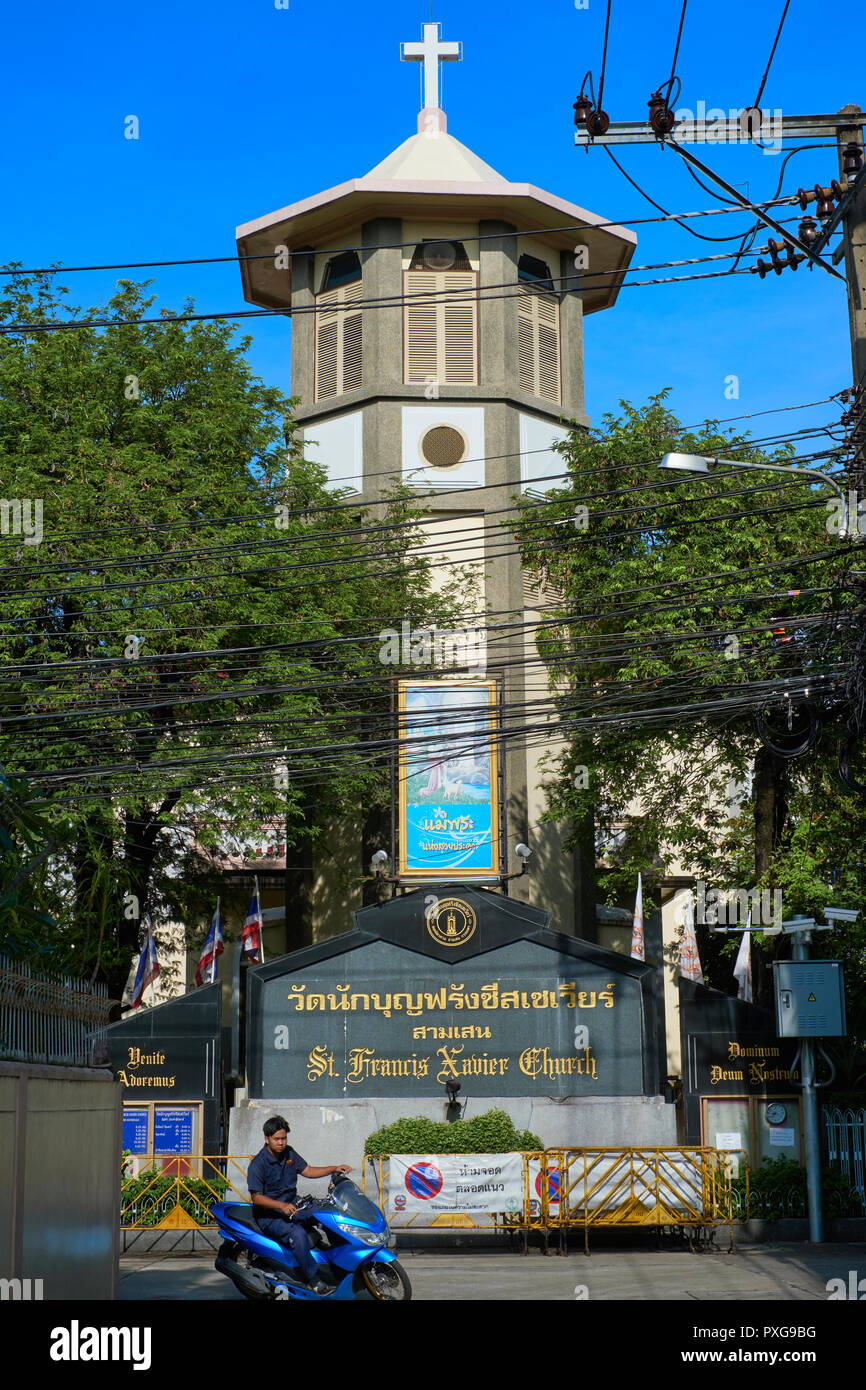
(690,961)
(743,967)
(637,951)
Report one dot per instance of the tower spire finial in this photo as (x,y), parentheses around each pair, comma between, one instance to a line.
(431,51)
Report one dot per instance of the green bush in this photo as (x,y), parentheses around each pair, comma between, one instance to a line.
(148,1190)
(772,1185)
(490,1133)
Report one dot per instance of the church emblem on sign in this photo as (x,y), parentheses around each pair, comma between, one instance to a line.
(451,922)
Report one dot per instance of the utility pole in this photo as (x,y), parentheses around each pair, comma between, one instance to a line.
(823,1009)
(811,1123)
(854,243)
(751,125)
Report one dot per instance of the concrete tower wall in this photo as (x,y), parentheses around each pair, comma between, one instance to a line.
(495,245)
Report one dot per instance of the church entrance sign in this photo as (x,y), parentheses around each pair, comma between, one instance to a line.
(169,1059)
(478,992)
(740,1079)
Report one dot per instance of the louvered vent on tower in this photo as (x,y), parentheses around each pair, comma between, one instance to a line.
(338,328)
(440,320)
(538,343)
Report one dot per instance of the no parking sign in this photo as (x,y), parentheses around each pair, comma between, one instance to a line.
(553,1187)
(443,1183)
(423,1180)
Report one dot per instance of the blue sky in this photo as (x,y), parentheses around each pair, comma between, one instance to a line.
(244,107)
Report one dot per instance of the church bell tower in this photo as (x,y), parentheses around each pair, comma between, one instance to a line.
(437,336)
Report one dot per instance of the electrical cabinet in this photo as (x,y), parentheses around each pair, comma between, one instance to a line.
(810,999)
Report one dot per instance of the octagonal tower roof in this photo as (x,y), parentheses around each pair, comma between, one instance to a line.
(434,177)
(430,177)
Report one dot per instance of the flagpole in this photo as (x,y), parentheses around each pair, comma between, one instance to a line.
(213,963)
(261,921)
(150,964)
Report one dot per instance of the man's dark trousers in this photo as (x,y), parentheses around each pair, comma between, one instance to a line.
(294,1235)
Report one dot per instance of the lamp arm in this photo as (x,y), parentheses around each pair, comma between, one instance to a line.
(802,473)
(504,878)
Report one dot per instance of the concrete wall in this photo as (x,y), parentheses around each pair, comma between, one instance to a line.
(60,1152)
(335,1132)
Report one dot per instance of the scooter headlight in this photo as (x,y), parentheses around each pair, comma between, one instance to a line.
(363,1233)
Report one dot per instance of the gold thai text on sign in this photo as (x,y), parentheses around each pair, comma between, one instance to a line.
(565,995)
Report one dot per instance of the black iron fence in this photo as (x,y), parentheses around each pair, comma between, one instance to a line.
(51,1018)
(844,1136)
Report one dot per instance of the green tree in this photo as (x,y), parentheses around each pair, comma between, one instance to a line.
(686,609)
(199,610)
(27,841)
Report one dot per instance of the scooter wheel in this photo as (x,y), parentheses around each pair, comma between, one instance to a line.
(387,1281)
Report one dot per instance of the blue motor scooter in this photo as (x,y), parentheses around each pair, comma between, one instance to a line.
(348,1240)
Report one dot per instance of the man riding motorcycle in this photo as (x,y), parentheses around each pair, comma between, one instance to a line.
(272,1180)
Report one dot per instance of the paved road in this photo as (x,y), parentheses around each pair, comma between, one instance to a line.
(784,1273)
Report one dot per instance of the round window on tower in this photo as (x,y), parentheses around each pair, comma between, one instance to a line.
(443,446)
(440,255)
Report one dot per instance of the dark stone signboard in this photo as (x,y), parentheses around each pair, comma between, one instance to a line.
(729,1048)
(466,987)
(172,1053)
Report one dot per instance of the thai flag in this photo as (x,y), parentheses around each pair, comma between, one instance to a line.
(213,949)
(251,937)
(148,969)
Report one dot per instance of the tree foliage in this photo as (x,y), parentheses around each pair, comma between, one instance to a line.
(200,610)
(685,608)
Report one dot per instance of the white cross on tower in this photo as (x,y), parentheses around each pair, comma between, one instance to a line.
(431,51)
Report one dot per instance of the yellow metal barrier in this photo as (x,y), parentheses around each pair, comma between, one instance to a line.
(686,1187)
(162,1197)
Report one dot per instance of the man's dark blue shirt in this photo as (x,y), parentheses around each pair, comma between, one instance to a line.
(273,1177)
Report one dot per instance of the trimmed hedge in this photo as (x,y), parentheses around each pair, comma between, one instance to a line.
(490,1133)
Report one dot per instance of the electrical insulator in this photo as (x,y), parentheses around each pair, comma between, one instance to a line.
(824,199)
(822,196)
(774,247)
(852,158)
(661,117)
(750,122)
(779,262)
(808,230)
(597,122)
(582,106)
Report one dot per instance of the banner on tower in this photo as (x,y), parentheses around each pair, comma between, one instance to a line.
(448,779)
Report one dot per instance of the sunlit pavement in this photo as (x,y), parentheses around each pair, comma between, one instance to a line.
(785,1273)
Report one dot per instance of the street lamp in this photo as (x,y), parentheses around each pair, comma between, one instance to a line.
(701,464)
